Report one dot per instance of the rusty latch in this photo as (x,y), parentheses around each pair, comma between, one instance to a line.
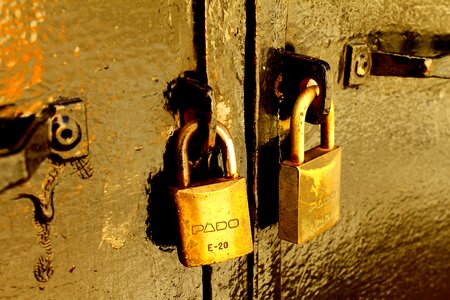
(58,129)
(390,54)
(295,72)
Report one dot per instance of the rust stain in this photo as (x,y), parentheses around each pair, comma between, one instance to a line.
(62,33)
(22,110)
(20,50)
(92,138)
(76,52)
(168,132)
(224,112)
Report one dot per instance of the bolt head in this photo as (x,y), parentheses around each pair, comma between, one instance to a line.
(362,65)
(66,133)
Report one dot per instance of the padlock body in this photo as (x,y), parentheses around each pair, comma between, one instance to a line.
(214,222)
(309,195)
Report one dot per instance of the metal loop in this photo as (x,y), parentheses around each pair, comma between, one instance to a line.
(225,143)
(298,120)
(327,130)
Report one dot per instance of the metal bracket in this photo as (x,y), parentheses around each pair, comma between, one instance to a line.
(362,59)
(193,99)
(68,129)
(295,71)
(58,130)
(24,145)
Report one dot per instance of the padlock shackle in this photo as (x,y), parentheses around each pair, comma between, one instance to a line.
(298,120)
(327,130)
(226,145)
(228,151)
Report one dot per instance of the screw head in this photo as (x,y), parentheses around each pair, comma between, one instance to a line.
(362,66)
(66,133)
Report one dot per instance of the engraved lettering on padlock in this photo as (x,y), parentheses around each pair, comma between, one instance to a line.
(209,228)
(321,202)
(221,225)
(309,185)
(197,228)
(213,216)
(233,223)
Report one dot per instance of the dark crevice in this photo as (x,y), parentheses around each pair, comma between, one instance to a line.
(206,278)
(250,126)
(198,9)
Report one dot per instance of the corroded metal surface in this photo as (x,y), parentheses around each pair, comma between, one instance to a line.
(21,58)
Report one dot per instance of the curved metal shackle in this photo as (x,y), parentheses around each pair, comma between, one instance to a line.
(297,128)
(226,145)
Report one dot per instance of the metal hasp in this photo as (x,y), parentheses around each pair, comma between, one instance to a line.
(68,129)
(295,71)
(26,139)
(23,146)
(362,59)
(193,99)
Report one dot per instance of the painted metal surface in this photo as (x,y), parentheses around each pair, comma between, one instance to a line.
(113,233)
(117,57)
(393,237)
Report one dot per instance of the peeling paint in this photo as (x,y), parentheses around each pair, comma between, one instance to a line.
(21,56)
(224,113)
(116,223)
(114,234)
(76,52)
(22,109)
(168,132)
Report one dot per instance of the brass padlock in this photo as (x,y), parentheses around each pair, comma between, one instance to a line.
(309,182)
(213,215)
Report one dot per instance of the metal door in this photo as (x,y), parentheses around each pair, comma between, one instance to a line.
(393,236)
(113,234)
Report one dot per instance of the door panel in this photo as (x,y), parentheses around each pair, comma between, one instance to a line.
(393,232)
(114,233)
(118,58)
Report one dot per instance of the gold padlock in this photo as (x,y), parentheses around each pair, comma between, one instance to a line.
(309,182)
(213,215)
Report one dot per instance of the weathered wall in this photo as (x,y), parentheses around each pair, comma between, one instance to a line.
(118,57)
(113,235)
(393,239)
